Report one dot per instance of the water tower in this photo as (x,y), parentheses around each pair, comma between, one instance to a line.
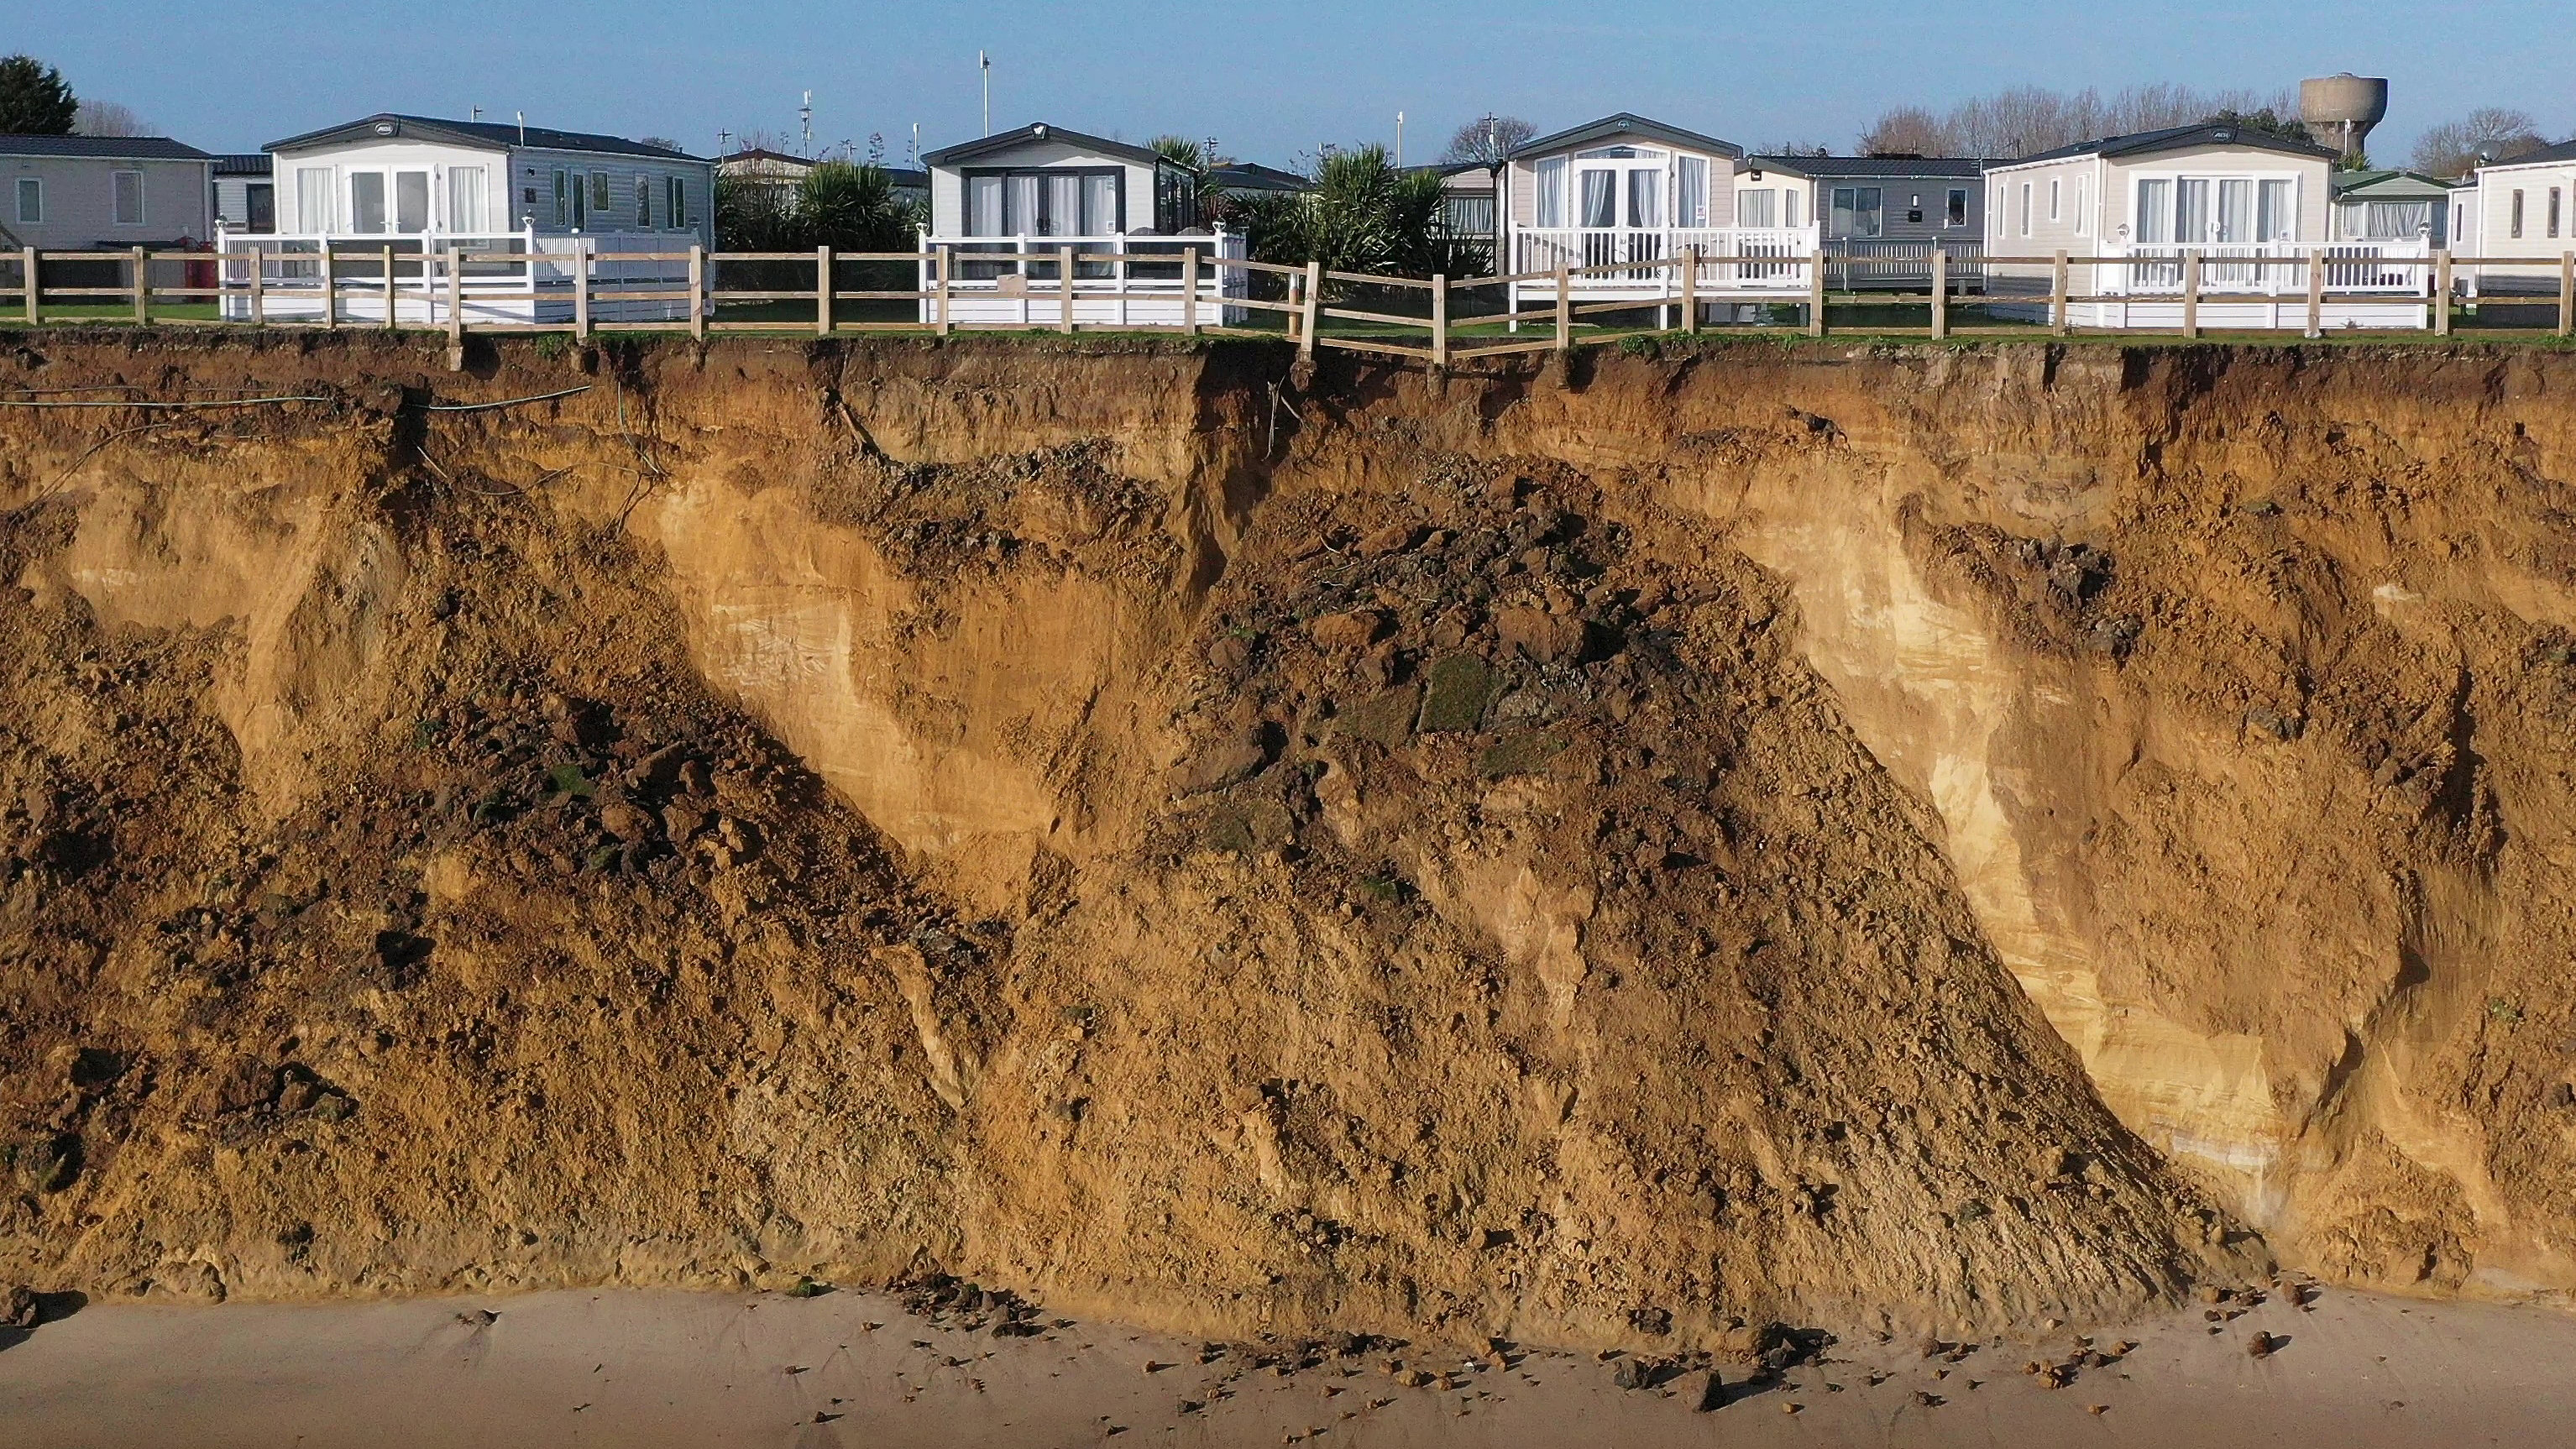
(2339,110)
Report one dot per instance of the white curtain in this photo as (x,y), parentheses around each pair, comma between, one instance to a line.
(1645,198)
(1600,199)
(2277,216)
(1551,191)
(2155,211)
(1757,208)
(1690,192)
(468,205)
(1793,203)
(1020,217)
(1099,205)
(2235,212)
(2191,211)
(1063,214)
(313,198)
(984,206)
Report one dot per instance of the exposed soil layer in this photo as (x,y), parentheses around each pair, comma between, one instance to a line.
(1640,850)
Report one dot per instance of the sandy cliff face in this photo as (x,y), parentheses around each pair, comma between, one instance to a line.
(1600,852)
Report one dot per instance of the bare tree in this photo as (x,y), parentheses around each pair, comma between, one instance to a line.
(109,118)
(665,142)
(1487,139)
(2490,133)
(1905,131)
(2029,119)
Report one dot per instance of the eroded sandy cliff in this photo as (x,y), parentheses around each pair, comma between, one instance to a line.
(1596,852)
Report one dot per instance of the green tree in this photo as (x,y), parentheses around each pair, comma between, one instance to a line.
(853,208)
(34,99)
(1363,215)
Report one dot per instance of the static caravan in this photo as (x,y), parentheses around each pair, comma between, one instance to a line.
(1883,216)
(245,195)
(1617,204)
(420,187)
(2525,208)
(2399,206)
(1006,208)
(2209,207)
(106,193)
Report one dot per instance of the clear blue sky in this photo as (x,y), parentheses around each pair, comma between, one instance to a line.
(1269,81)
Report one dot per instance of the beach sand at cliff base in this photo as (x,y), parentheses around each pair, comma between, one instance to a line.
(630,1367)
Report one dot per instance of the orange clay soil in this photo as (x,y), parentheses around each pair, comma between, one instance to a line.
(1627,851)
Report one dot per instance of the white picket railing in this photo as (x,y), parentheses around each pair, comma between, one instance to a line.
(516,277)
(1624,259)
(1121,279)
(2266,269)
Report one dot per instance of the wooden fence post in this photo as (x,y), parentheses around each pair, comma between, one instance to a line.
(1816,294)
(1064,287)
(35,311)
(258,288)
(698,308)
(455,310)
(142,288)
(2566,292)
(330,288)
(1690,289)
(581,288)
(2191,293)
(944,258)
(2058,307)
(822,291)
(1440,319)
(2316,292)
(1940,292)
(1564,310)
(2442,292)
(1310,308)
(388,253)
(1189,291)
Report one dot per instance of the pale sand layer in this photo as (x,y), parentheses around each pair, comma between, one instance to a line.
(652,1368)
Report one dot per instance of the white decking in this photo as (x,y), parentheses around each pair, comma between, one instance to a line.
(2253,286)
(510,278)
(1118,281)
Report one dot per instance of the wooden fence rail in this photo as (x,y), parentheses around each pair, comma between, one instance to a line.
(333,287)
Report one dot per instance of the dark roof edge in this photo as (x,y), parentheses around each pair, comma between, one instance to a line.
(1627,123)
(1038,131)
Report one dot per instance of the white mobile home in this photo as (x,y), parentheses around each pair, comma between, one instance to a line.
(1618,202)
(2526,209)
(2210,208)
(1005,208)
(422,186)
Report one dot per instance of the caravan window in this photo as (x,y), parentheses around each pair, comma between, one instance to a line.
(411,201)
(1600,199)
(1690,192)
(1757,208)
(2553,211)
(313,198)
(2278,218)
(1551,192)
(1957,215)
(129,198)
(467,200)
(1860,211)
(602,199)
(563,198)
(31,199)
(675,202)
(366,201)
(643,201)
(1044,203)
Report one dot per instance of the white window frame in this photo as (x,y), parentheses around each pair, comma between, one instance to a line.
(2179,175)
(30,186)
(675,203)
(2055,210)
(116,203)
(603,193)
(2025,208)
(2513,215)
(643,202)
(1961,193)
(2083,218)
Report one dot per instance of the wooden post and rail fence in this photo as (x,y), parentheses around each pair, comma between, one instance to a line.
(443,291)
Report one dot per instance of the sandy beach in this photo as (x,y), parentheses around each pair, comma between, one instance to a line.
(650,1368)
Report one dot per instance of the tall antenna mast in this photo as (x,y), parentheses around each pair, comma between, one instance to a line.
(915,157)
(805,118)
(1399,139)
(984,63)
